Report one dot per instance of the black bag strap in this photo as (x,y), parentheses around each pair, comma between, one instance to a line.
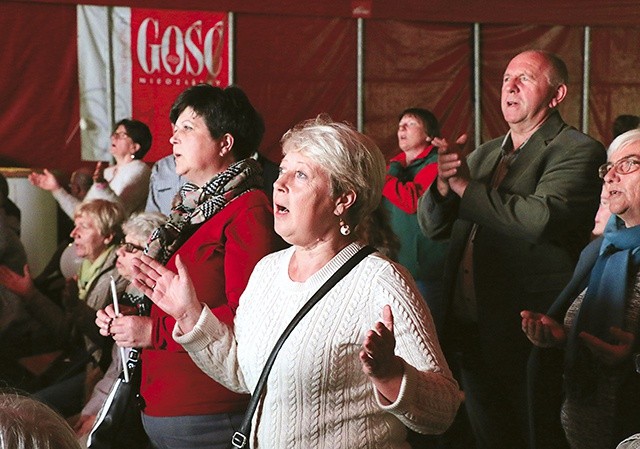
(240,438)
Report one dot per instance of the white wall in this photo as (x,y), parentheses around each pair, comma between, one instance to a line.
(39,228)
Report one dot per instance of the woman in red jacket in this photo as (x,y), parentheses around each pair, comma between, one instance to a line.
(220,226)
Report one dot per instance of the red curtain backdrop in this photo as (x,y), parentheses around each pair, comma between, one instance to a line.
(294,68)
(414,64)
(615,78)
(39,109)
(558,12)
(296,60)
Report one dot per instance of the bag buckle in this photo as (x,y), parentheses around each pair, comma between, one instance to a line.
(239,440)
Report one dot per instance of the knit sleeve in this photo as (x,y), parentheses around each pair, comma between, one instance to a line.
(429,396)
(213,347)
(66,201)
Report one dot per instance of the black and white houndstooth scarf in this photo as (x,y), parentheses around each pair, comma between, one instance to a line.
(197,204)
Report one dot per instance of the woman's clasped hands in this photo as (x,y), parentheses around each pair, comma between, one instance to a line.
(127,328)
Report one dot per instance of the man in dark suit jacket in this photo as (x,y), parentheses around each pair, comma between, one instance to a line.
(518,211)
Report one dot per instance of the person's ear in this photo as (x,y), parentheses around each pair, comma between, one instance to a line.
(226,144)
(344,202)
(108,239)
(558,96)
(136,147)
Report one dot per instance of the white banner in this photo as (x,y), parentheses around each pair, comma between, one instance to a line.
(133,63)
(104,75)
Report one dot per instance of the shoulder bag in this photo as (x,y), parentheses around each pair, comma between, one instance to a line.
(240,438)
(119,424)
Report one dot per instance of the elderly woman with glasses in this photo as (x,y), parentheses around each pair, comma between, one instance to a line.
(71,324)
(125,182)
(591,329)
(137,231)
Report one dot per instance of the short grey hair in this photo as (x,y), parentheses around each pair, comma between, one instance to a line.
(28,423)
(353,161)
(622,141)
(141,225)
(559,74)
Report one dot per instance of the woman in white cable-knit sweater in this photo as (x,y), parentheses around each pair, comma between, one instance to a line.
(341,380)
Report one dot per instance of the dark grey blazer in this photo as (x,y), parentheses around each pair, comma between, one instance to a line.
(531,230)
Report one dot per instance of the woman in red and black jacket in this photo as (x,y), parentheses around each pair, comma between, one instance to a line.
(221,225)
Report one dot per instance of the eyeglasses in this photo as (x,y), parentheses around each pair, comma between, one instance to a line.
(622,167)
(130,247)
(120,135)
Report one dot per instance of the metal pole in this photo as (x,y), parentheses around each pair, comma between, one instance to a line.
(477,120)
(112,70)
(586,79)
(232,48)
(360,76)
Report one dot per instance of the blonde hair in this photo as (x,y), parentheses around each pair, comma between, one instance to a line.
(26,423)
(354,163)
(352,160)
(107,215)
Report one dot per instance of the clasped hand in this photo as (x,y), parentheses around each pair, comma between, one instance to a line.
(98,173)
(453,172)
(20,284)
(378,358)
(127,328)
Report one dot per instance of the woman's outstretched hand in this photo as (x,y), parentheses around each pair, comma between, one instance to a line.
(610,353)
(379,360)
(21,285)
(542,330)
(173,293)
(45,180)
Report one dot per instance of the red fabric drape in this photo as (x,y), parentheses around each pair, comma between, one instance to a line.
(557,12)
(39,111)
(615,79)
(294,68)
(411,64)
